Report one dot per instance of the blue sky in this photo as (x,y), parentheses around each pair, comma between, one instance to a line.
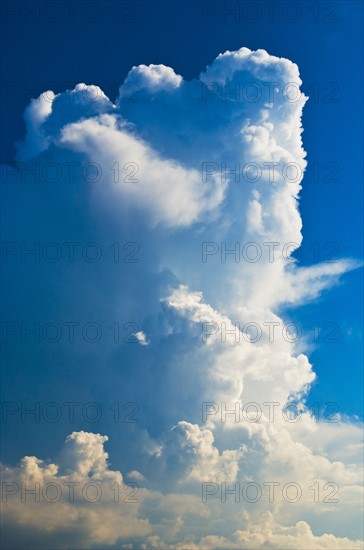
(186,36)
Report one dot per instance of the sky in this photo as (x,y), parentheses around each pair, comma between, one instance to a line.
(124,111)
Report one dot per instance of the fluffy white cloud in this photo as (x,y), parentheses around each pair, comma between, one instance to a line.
(163,189)
(78,501)
(154,77)
(270,535)
(167,178)
(83,493)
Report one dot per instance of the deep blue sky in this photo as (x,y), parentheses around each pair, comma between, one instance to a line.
(175,33)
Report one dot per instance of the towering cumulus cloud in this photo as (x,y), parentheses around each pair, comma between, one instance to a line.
(205,175)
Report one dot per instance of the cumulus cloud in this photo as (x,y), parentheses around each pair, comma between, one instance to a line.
(154,77)
(192,167)
(72,502)
(270,535)
(166,191)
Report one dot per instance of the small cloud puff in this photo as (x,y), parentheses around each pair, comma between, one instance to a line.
(154,77)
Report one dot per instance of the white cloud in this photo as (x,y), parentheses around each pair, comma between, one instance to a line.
(270,535)
(162,196)
(154,77)
(142,339)
(81,477)
(166,191)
